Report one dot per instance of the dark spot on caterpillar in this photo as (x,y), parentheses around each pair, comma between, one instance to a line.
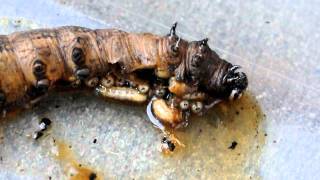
(38,68)
(233,145)
(77,56)
(92,176)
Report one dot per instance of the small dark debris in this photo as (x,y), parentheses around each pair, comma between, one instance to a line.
(44,123)
(1,159)
(257,147)
(164,139)
(200,130)
(267,22)
(237,112)
(95,141)
(274,141)
(170,145)
(233,145)
(70,146)
(239,154)
(242,108)
(47,121)
(57,106)
(80,165)
(265,134)
(37,134)
(92,176)
(50,177)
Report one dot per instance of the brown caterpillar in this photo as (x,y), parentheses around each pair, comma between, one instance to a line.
(185,76)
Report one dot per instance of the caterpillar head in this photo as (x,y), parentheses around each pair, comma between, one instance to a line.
(202,67)
(236,82)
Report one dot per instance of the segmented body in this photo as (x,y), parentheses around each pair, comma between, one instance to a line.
(187,74)
(54,50)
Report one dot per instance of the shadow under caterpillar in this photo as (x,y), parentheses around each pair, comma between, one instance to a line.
(177,77)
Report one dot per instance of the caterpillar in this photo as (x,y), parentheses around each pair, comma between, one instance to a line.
(177,77)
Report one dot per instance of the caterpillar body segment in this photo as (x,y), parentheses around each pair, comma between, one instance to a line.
(185,76)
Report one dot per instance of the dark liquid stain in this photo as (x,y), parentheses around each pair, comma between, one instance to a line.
(207,140)
(72,168)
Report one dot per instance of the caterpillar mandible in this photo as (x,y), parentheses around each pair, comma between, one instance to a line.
(177,77)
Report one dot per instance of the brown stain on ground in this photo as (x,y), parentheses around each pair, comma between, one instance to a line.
(208,141)
(72,168)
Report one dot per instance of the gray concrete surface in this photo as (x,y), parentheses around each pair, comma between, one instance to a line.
(276,42)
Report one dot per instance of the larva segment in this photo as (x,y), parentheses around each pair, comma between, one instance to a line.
(12,82)
(39,57)
(132,51)
(80,44)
